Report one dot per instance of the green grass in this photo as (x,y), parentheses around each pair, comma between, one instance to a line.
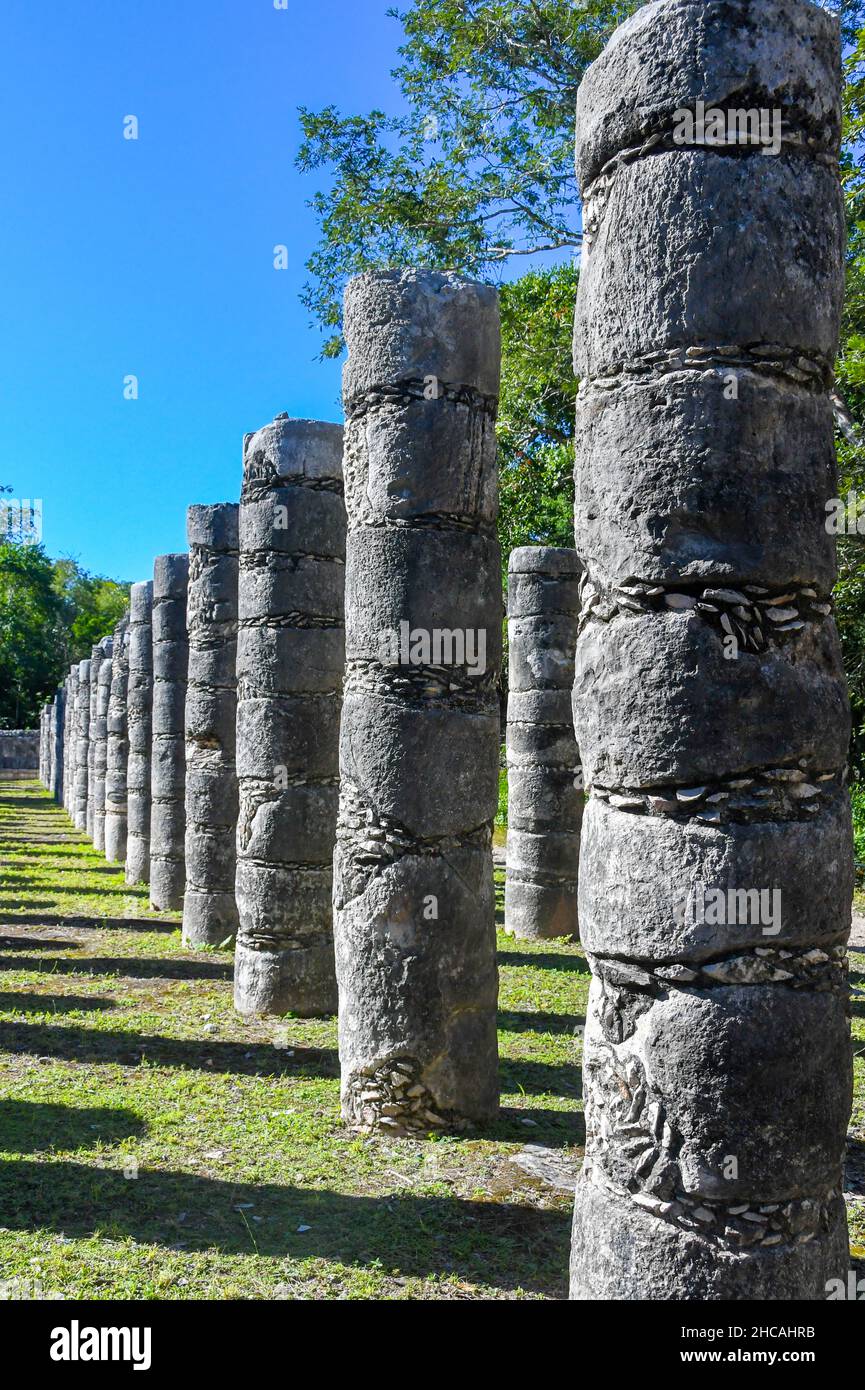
(155,1145)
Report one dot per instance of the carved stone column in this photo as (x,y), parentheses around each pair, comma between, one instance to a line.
(209,907)
(139,716)
(419,745)
(117,749)
(168,746)
(290,655)
(709,701)
(545,798)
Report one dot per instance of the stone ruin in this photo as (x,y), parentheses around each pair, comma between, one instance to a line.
(342,700)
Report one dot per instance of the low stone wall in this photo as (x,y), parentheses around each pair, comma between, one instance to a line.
(19,750)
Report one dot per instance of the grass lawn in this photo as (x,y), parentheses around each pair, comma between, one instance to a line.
(154,1145)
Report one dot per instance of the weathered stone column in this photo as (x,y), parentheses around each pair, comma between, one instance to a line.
(100,653)
(545,799)
(419,746)
(99,740)
(168,752)
(43,744)
(139,714)
(209,907)
(117,748)
(710,708)
(290,657)
(57,745)
(82,744)
(69,736)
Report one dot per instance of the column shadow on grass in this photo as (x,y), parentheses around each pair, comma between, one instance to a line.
(33,1003)
(131,967)
(544,960)
(30,1126)
(505,1245)
(188,1054)
(516,1021)
(59,919)
(43,943)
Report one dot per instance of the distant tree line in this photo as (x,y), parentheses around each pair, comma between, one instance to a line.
(51,613)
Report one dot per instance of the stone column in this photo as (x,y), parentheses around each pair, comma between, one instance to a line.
(545,799)
(710,708)
(43,745)
(117,748)
(419,746)
(209,907)
(168,752)
(139,712)
(100,652)
(82,744)
(99,741)
(290,657)
(57,745)
(69,738)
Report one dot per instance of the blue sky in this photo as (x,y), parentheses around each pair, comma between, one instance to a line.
(155,257)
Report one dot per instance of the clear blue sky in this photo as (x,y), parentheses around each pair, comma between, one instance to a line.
(155,257)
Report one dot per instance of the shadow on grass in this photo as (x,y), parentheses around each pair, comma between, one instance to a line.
(131,967)
(502,1244)
(41,943)
(540,1078)
(28,1126)
(553,1128)
(544,960)
(188,1054)
(512,1021)
(32,1003)
(84,891)
(57,919)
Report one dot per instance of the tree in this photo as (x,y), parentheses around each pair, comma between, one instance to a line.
(31,633)
(51,614)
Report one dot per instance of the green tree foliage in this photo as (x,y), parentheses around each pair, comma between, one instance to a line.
(51,613)
(31,633)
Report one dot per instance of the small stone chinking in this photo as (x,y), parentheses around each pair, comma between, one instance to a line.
(709,701)
(414,918)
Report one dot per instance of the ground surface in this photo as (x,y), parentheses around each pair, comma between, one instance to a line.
(152,1145)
